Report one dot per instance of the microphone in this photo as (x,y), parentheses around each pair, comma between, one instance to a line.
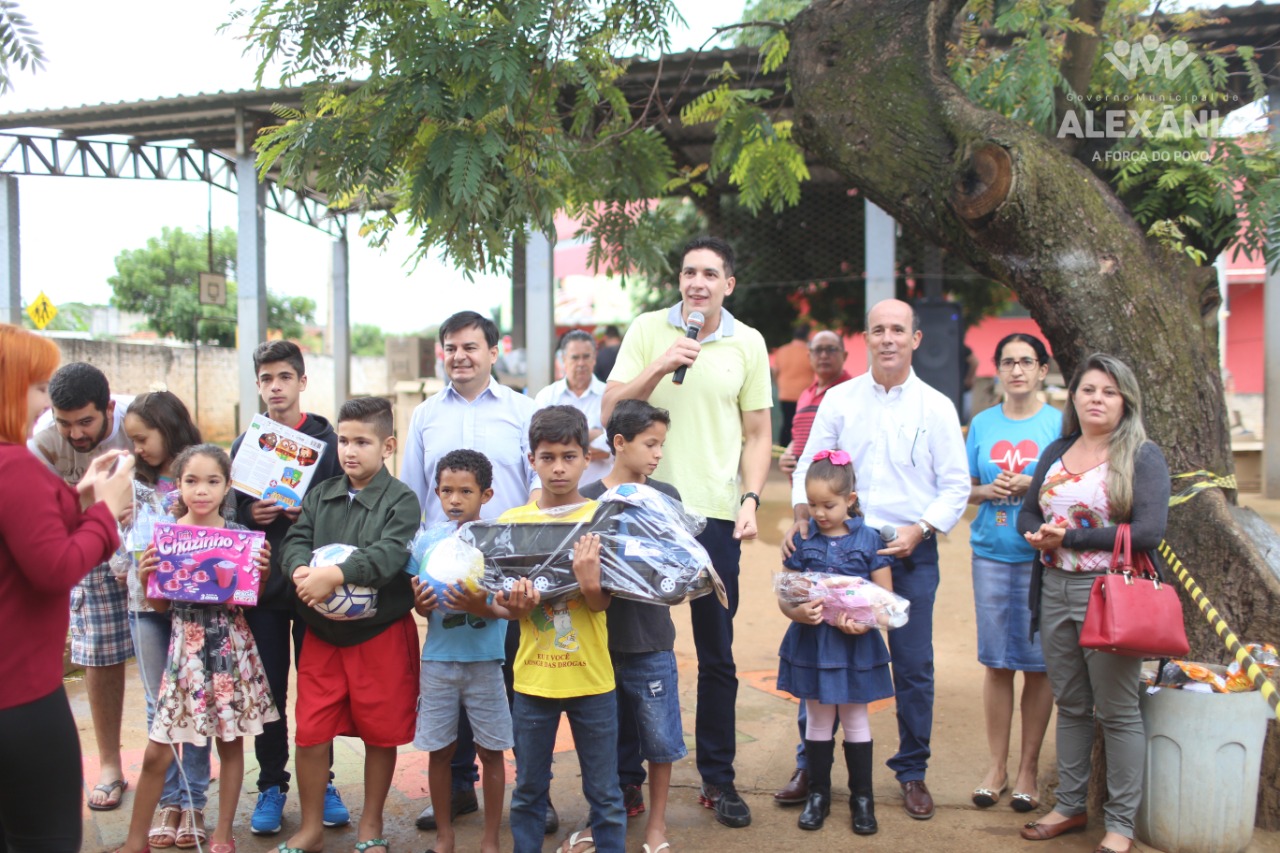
(691,331)
(889,533)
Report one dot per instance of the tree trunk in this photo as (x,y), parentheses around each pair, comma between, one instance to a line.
(873,101)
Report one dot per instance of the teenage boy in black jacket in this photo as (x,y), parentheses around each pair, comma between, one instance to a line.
(282,377)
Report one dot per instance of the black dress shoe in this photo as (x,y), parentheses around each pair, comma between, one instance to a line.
(460,803)
(552,825)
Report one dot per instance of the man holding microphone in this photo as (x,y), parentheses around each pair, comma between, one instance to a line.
(719,423)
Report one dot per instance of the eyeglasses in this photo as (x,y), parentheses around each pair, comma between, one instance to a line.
(824,350)
(1027,364)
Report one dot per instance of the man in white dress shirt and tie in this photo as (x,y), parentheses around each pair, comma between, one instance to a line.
(913,475)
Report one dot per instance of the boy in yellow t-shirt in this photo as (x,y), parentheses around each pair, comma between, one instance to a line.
(562,665)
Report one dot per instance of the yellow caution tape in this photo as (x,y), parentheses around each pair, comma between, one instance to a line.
(1220,627)
(1213,481)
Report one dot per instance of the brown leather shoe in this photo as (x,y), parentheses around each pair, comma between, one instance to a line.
(796,791)
(917,800)
(1044,831)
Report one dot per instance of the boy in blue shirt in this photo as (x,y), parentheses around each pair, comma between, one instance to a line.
(462,663)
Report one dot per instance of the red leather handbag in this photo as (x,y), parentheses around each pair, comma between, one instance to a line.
(1131,612)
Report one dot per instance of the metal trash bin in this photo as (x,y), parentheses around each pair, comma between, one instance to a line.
(1204,756)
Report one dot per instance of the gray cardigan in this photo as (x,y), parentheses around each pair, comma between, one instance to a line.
(1151,487)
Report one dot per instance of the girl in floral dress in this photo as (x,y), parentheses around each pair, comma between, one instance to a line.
(214,685)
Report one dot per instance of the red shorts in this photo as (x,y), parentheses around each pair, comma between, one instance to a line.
(369,691)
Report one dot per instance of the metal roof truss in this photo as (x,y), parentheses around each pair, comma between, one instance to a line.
(22,154)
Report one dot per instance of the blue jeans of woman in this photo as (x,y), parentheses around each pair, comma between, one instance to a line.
(188,786)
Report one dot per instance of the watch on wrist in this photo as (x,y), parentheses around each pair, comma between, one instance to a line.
(925,529)
(751,495)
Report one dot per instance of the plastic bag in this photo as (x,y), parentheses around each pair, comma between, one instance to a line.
(439,558)
(1268,661)
(648,552)
(149,506)
(864,602)
(1185,675)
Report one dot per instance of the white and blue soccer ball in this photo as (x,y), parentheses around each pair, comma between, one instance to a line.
(348,601)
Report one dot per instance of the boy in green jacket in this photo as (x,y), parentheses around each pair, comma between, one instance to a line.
(356,678)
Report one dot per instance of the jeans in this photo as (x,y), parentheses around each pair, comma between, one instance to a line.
(594,723)
(272,630)
(715,724)
(187,787)
(649,727)
(911,647)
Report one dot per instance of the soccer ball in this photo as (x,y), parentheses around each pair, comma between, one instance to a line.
(348,601)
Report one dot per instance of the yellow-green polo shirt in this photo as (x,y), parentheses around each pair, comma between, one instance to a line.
(729,377)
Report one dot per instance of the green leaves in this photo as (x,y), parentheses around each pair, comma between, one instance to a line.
(161,282)
(18,44)
(478,120)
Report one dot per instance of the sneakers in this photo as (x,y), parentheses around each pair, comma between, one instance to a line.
(731,810)
(267,813)
(633,800)
(335,812)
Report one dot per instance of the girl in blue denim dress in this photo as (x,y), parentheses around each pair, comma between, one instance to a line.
(836,669)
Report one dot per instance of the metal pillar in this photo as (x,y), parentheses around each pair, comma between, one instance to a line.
(539,317)
(1271,350)
(10,253)
(880,253)
(251,267)
(340,316)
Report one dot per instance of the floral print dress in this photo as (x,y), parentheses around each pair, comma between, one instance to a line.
(1076,501)
(214,684)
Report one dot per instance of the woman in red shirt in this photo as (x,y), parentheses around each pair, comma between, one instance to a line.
(50,538)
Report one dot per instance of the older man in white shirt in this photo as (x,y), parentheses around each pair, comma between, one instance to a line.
(912,475)
(581,389)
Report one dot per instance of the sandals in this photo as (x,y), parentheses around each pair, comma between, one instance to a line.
(576,838)
(191,830)
(666,845)
(165,831)
(985,798)
(362,846)
(108,789)
(220,847)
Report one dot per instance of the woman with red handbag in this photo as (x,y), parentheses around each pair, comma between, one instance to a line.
(1102,473)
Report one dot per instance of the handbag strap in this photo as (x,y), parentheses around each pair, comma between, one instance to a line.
(1121,555)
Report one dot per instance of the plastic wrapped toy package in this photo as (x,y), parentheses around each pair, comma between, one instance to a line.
(439,559)
(149,508)
(648,552)
(864,602)
(1200,678)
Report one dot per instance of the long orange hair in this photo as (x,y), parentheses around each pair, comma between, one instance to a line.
(25,359)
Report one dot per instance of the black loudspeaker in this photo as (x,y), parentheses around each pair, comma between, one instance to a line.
(939,360)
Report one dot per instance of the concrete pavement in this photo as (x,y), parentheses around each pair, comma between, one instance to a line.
(766,737)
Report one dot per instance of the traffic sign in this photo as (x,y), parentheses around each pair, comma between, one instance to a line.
(42,311)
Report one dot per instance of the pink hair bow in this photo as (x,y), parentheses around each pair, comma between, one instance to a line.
(837,457)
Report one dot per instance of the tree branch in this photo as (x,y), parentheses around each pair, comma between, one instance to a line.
(1079,53)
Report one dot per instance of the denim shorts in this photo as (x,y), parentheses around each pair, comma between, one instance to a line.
(450,686)
(648,683)
(1000,592)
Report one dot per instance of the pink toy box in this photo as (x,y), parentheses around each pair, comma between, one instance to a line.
(206,565)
